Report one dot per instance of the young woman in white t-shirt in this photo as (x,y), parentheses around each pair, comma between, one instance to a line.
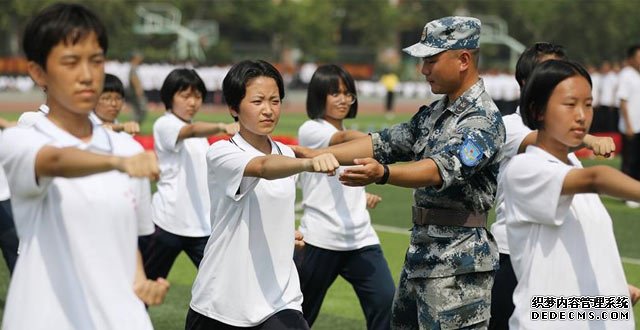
(247,277)
(560,235)
(339,238)
(180,207)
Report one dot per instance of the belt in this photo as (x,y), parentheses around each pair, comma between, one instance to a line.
(446,217)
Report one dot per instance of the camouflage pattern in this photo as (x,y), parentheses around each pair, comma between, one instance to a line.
(453,302)
(453,32)
(469,128)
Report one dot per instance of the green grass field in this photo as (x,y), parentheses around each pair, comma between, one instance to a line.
(341,309)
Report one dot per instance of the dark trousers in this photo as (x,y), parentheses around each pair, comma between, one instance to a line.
(160,250)
(282,320)
(8,235)
(367,271)
(502,294)
(631,156)
(388,105)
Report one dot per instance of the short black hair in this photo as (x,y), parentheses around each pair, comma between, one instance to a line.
(631,51)
(532,56)
(113,84)
(179,80)
(325,81)
(234,85)
(60,22)
(539,87)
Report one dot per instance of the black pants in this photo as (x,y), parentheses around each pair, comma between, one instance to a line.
(367,271)
(8,235)
(631,156)
(502,294)
(160,250)
(282,320)
(388,105)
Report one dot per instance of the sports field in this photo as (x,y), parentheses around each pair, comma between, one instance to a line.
(341,309)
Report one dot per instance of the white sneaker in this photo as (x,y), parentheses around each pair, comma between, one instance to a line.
(632,204)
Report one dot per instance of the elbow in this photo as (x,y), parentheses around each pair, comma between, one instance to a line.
(597,179)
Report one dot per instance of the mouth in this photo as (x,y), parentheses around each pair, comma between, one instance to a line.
(581,131)
(86,93)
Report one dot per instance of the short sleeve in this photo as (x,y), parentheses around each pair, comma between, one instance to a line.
(19,147)
(165,133)
(315,135)
(225,165)
(624,89)
(478,143)
(532,187)
(393,144)
(515,133)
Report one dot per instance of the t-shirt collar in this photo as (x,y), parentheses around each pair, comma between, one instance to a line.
(100,139)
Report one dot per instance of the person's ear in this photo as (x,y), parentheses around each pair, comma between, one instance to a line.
(465,59)
(38,74)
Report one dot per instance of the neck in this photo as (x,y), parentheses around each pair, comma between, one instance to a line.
(552,146)
(337,123)
(469,79)
(261,142)
(75,124)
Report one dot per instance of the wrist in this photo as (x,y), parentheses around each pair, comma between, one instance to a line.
(385,175)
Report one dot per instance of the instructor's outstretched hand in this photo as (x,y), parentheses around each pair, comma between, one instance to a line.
(371,171)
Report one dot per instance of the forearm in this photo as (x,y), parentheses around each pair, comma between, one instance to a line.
(201,129)
(346,152)
(272,167)
(141,276)
(625,114)
(602,180)
(346,136)
(72,162)
(418,174)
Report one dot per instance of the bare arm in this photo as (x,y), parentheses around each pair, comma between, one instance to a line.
(345,136)
(600,145)
(530,139)
(345,153)
(601,180)
(130,127)
(72,162)
(151,292)
(203,129)
(272,167)
(423,173)
(6,124)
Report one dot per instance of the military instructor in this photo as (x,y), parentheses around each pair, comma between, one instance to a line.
(450,152)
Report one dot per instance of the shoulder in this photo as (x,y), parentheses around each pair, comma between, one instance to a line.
(167,119)
(286,150)
(125,142)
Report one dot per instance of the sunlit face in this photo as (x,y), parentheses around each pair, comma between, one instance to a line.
(74,75)
(260,108)
(569,112)
(442,72)
(109,106)
(186,103)
(338,103)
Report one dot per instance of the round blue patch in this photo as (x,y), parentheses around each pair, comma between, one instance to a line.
(470,153)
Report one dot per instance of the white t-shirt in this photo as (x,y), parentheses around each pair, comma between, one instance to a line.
(561,245)
(516,131)
(30,117)
(608,89)
(181,205)
(335,216)
(78,237)
(629,90)
(247,273)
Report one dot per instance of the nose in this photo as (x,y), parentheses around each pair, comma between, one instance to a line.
(86,74)
(581,113)
(426,68)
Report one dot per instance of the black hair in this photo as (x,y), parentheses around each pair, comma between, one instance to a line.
(234,85)
(539,87)
(532,56)
(113,84)
(325,81)
(60,22)
(631,51)
(179,80)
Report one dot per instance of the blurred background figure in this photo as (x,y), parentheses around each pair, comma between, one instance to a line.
(135,92)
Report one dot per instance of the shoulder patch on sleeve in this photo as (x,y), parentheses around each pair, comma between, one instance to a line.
(470,153)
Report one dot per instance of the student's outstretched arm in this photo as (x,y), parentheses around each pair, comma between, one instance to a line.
(151,292)
(423,173)
(602,180)
(203,129)
(272,167)
(345,136)
(345,153)
(72,162)
(129,127)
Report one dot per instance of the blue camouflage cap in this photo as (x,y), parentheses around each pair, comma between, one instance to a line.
(453,32)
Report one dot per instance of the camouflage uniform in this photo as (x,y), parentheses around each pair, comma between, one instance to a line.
(448,272)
